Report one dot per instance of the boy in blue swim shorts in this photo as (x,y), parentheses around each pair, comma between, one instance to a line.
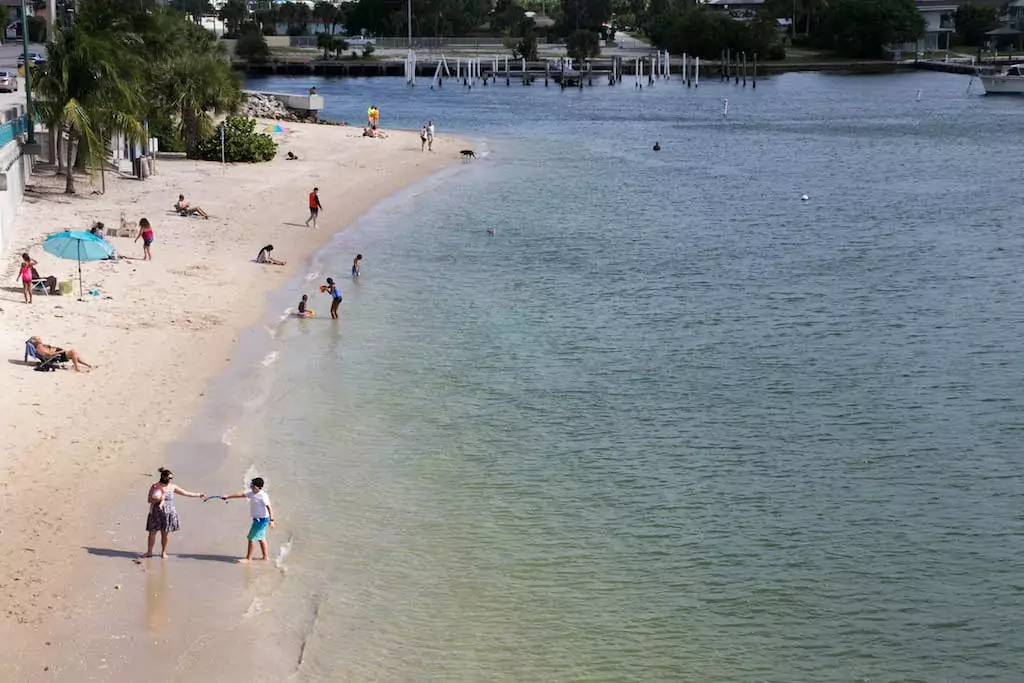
(261,513)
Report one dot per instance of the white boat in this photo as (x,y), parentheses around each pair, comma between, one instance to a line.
(1009,81)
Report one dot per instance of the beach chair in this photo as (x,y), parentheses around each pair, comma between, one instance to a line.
(40,286)
(43,365)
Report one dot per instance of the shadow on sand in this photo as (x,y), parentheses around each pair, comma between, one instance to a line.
(126,554)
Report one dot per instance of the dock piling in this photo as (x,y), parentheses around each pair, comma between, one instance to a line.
(744,69)
(754,83)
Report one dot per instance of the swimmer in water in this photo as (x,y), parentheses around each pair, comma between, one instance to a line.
(356,262)
(657,146)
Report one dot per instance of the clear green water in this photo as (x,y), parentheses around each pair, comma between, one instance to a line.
(670,422)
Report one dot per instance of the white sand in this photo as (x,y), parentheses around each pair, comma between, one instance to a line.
(158,331)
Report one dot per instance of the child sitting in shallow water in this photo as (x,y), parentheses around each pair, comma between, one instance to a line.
(304,310)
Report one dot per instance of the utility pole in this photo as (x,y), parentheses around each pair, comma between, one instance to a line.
(28,76)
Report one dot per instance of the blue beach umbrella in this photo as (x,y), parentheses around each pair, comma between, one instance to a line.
(79,246)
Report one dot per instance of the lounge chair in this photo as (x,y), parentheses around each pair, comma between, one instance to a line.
(40,286)
(43,364)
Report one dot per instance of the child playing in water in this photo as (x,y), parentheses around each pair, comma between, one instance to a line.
(304,312)
(335,293)
(356,262)
(261,513)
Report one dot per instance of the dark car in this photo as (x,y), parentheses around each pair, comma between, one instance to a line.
(33,57)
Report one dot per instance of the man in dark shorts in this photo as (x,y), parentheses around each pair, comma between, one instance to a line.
(314,206)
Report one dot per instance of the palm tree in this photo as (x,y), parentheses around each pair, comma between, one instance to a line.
(85,94)
(194,84)
(233,13)
(327,43)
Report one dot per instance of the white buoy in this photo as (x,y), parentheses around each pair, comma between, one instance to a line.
(725,107)
(918,94)
(804,198)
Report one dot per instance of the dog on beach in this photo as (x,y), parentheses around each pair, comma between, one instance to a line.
(467,154)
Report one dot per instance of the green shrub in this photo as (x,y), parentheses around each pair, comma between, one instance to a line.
(37,29)
(368,51)
(241,142)
(167,135)
(252,45)
(583,44)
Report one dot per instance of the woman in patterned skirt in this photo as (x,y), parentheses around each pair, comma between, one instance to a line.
(162,515)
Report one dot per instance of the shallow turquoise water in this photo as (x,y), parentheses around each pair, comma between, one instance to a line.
(670,422)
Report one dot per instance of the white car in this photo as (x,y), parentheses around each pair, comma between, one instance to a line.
(360,41)
(8,81)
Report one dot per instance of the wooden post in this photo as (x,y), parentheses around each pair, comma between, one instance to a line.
(754,83)
(696,72)
(744,69)
(547,72)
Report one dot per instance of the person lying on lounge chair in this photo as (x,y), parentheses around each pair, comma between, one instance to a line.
(47,352)
(264,256)
(186,209)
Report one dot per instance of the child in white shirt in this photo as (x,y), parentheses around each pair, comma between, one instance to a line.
(261,513)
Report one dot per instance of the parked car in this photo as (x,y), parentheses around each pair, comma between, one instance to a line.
(360,41)
(8,81)
(33,57)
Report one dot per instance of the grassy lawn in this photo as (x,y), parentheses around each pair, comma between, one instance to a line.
(295,51)
(801,55)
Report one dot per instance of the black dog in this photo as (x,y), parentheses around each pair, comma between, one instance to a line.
(467,154)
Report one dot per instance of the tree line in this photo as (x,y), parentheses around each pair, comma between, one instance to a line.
(125,62)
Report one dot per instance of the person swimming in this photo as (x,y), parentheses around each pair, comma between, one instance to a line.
(657,146)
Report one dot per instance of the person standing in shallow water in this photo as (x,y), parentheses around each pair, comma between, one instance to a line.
(332,289)
(163,518)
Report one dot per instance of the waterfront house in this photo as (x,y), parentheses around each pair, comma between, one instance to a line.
(737,9)
(939,24)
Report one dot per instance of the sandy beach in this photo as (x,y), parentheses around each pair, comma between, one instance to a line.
(157,332)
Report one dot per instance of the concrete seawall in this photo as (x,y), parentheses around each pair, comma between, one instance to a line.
(15,170)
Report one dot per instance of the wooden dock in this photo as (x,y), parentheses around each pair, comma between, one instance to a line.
(596,69)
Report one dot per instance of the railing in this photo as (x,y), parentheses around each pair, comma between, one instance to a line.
(418,43)
(13,128)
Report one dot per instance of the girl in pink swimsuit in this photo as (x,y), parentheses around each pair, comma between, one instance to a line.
(25,273)
(146,233)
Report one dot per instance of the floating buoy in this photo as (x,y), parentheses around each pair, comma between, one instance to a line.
(804,198)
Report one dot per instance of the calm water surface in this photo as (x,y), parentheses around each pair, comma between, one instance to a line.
(670,423)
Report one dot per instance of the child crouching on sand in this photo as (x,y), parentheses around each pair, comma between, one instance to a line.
(261,513)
